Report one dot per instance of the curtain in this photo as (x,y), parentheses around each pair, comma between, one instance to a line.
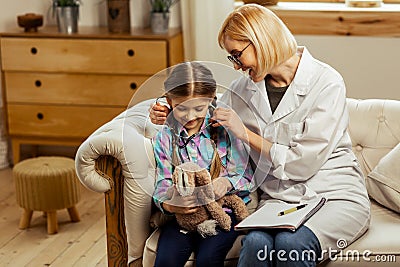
(201,21)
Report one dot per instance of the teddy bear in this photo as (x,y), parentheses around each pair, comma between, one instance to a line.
(190,179)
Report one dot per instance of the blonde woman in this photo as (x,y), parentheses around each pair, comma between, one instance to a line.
(291,110)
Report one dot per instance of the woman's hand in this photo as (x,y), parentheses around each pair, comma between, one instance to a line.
(221,186)
(230,121)
(158,113)
(181,205)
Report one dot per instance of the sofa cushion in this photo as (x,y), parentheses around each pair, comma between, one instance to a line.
(380,244)
(374,129)
(383,183)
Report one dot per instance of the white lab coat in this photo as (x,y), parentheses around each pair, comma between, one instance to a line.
(311,152)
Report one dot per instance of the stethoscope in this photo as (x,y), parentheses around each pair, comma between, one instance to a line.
(186,140)
(190,138)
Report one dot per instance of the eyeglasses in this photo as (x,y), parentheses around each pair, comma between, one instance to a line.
(234,58)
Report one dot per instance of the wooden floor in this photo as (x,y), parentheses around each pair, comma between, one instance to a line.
(76,244)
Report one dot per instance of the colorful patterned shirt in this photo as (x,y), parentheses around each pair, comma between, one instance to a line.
(233,154)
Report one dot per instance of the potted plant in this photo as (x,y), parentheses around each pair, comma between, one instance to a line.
(159,18)
(67,14)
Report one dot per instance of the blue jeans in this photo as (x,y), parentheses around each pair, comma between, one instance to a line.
(175,247)
(280,248)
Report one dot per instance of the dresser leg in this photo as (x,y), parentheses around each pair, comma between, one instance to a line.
(16,151)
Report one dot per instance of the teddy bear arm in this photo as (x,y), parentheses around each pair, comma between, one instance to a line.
(190,221)
(237,205)
(218,214)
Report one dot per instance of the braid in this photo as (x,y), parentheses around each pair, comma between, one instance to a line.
(216,163)
(175,157)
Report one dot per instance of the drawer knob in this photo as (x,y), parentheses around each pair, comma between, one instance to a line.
(40,116)
(133,86)
(38,83)
(34,50)
(131,53)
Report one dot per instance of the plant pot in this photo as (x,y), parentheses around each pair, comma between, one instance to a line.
(118,16)
(159,22)
(67,19)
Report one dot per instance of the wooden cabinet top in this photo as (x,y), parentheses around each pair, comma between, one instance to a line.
(92,32)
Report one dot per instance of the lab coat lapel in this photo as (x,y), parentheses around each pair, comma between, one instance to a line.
(298,88)
(288,104)
(260,102)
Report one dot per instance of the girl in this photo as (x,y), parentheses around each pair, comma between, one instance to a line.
(191,95)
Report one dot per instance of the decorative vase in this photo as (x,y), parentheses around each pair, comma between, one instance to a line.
(159,22)
(118,16)
(67,19)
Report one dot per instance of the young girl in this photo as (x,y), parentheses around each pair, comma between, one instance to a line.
(189,136)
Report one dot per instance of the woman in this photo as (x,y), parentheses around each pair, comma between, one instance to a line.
(295,121)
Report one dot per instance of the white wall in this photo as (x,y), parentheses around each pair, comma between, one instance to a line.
(369,65)
(201,21)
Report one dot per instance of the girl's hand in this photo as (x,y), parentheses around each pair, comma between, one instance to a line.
(181,205)
(221,186)
(158,113)
(231,121)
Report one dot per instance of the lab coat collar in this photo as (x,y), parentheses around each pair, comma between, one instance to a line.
(259,100)
(300,86)
(303,77)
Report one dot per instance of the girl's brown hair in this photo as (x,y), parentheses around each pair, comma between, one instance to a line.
(190,79)
(193,79)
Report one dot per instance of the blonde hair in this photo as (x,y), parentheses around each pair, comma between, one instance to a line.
(272,40)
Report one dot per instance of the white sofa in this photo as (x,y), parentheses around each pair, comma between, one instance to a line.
(117,160)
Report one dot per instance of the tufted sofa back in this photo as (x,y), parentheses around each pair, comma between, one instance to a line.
(374,129)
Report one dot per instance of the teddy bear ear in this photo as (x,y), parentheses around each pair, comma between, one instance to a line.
(175,175)
(184,182)
(203,177)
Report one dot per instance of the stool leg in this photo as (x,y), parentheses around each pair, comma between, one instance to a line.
(25,219)
(73,214)
(52,225)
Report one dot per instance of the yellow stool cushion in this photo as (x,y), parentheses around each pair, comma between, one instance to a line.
(46,183)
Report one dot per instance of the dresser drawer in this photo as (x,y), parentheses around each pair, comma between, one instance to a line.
(85,55)
(114,90)
(57,121)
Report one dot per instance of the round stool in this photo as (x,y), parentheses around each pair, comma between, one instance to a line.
(46,184)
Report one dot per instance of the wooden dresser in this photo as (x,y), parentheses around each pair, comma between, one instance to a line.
(58,88)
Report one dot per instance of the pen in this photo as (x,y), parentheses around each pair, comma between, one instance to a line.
(284,212)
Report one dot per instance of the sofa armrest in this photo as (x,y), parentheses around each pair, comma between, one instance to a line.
(117,159)
(117,246)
